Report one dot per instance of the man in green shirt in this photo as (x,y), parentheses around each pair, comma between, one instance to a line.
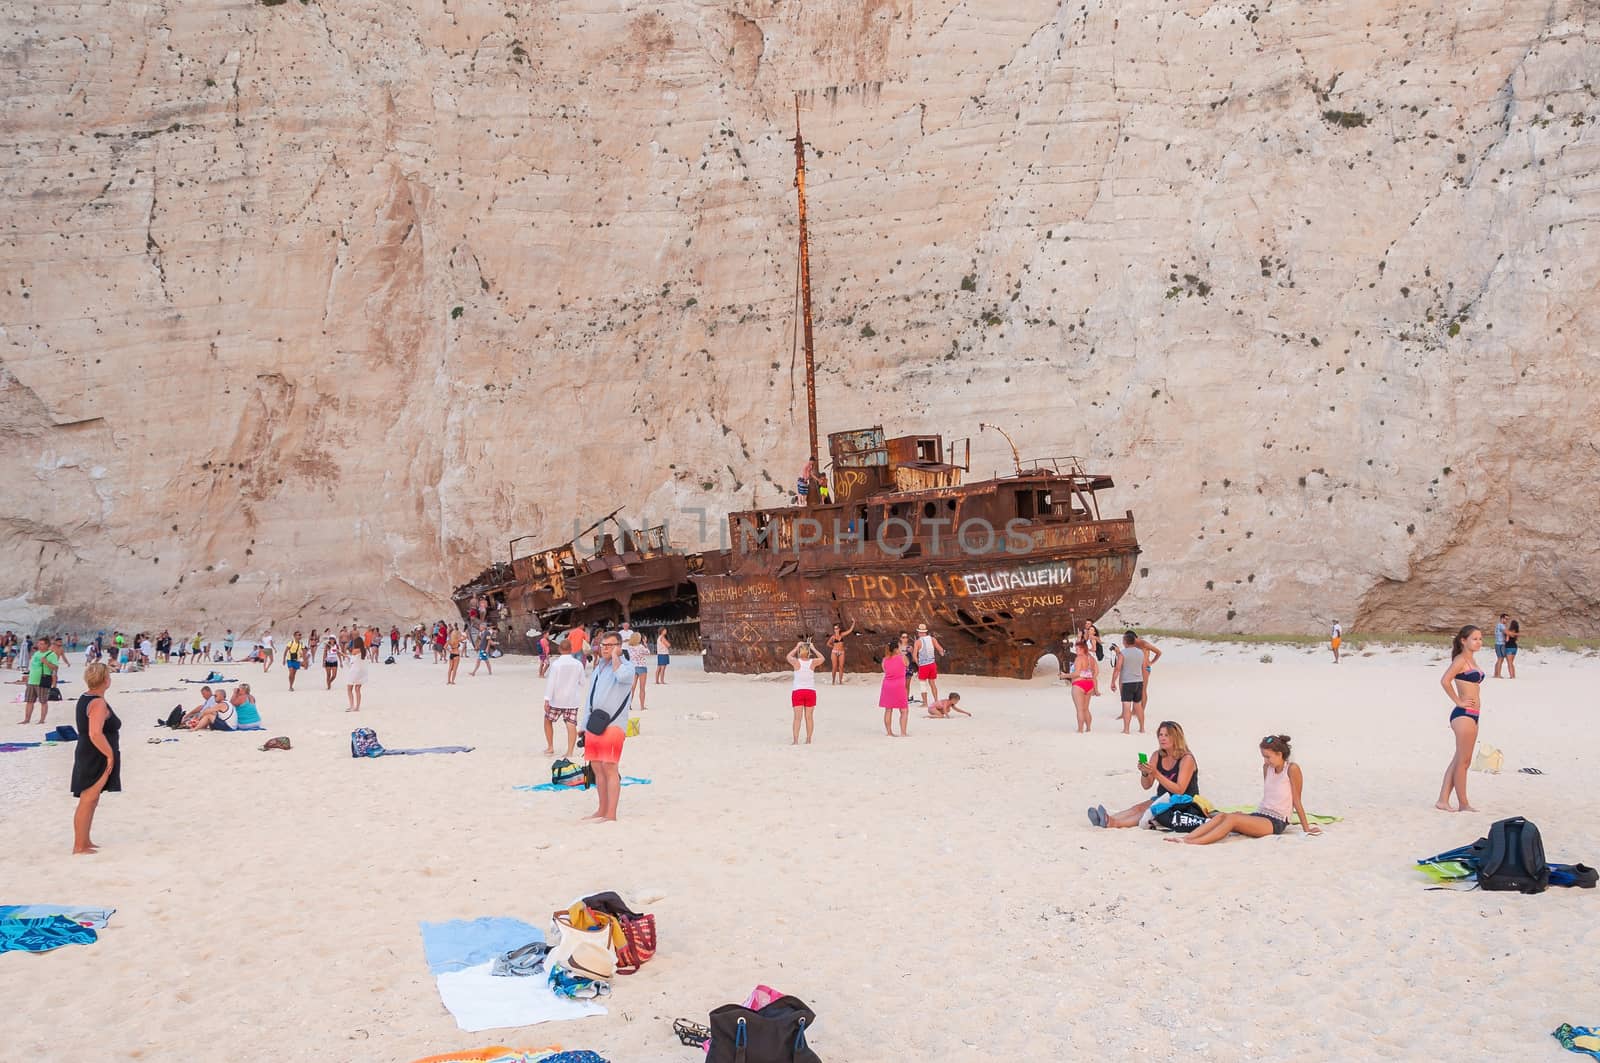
(42,668)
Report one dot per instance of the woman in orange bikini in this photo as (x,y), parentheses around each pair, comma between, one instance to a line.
(1085,675)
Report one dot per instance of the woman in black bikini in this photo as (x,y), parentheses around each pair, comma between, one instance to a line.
(1172,770)
(1463,685)
(836,651)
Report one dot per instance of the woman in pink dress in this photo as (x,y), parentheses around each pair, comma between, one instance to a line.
(892,696)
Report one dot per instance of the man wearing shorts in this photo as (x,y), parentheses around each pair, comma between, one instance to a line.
(928,650)
(1500,644)
(42,667)
(1132,669)
(563,691)
(1336,637)
(294,656)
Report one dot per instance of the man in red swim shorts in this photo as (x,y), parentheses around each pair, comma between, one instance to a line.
(928,651)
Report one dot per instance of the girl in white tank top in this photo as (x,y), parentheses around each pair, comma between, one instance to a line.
(1281,784)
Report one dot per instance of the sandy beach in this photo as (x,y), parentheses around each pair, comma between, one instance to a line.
(941,897)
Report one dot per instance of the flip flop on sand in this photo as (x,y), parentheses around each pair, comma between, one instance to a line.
(1529,771)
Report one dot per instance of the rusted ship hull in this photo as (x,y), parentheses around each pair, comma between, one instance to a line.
(632,576)
(995,614)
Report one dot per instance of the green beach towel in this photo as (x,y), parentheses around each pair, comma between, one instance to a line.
(1311,817)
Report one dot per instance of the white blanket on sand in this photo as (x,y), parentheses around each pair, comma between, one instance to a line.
(480,1001)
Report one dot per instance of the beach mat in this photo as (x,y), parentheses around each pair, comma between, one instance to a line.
(430,749)
(206,681)
(16,747)
(548,787)
(42,935)
(1311,817)
(94,918)
(461,943)
(502,1054)
(478,1000)
(461,954)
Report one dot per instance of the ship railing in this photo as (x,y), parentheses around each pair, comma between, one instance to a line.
(1063,465)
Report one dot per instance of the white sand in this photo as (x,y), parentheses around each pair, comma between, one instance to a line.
(941,897)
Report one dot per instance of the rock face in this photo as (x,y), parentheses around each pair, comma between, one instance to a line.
(307,308)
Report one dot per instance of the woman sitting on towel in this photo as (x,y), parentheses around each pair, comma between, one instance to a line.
(1171,770)
(246,716)
(1281,783)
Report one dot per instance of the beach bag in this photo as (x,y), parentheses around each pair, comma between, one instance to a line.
(364,743)
(55,693)
(586,953)
(64,733)
(1511,858)
(565,773)
(1488,759)
(775,1034)
(275,743)
(175,717)
(639,942)
(388,660)
(1177,813)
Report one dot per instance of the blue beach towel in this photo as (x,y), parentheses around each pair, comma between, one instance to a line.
(550,787)
(95,918)
(462,943)
(430,749)
(42,935)
(1584,1040)
(16,747)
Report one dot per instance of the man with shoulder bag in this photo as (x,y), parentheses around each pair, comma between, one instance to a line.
(606,711)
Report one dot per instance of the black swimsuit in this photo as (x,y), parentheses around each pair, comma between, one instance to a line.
(1193,789)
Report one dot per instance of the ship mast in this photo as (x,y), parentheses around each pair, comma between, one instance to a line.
(805,280)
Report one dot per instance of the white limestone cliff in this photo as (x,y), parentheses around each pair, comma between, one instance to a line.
(307,308)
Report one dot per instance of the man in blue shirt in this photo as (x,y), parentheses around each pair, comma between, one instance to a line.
(1500,644)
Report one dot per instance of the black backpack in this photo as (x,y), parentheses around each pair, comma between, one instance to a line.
(775,1034)
(1512,858)
(1182,817)
(174,718)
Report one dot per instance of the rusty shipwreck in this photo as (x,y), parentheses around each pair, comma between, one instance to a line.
(606,573)
(887,535)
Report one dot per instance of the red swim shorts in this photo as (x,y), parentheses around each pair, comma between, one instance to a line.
(606,748)
(803,698)
(927,671)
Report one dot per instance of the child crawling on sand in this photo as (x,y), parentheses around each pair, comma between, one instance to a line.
(941,709)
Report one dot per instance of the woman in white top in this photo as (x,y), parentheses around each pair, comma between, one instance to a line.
(803,659)
(355,672)
(1281,783)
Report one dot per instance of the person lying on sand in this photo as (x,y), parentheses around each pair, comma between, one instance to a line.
(1172,769)
(941,709)
(1281,784)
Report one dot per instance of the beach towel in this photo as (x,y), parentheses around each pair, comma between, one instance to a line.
(430,749)
(212,679)
(42,935)
(94,918)
(16,747)
(495,1054)
(1585,1040)
(550,787)
(461,943)
(480,1001)
(1311,817)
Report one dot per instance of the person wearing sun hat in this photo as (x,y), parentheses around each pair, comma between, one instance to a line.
(928,650)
